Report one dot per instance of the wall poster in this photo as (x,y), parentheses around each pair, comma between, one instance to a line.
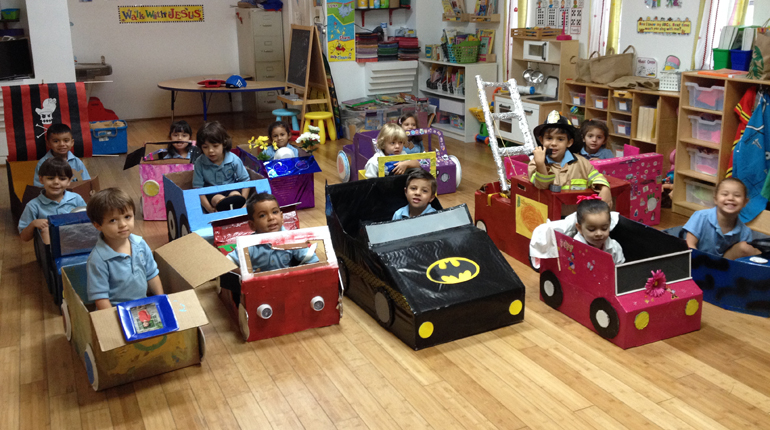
(340,34)
(160,14)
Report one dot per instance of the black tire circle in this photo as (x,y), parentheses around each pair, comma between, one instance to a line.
(171,224)
(550,289)
(184,226)
(383,307)
(604,318)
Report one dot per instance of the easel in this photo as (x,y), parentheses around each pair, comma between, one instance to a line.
(313,86)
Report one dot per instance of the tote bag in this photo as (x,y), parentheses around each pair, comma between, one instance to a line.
(607,68)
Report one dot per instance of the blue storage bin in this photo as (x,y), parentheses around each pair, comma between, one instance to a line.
(109,137)
(740,59)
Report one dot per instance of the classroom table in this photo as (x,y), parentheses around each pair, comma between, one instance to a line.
(191,85)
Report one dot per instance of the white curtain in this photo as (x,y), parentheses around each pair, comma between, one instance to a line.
(599,23)
(716,14)
(512,22)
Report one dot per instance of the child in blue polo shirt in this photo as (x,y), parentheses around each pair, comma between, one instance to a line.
(218,166)
(59,141)
(420,191)
(719,230)
(121,266)
(55,175)
(264,217)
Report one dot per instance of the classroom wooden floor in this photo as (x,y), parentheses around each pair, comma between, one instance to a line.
(548,372)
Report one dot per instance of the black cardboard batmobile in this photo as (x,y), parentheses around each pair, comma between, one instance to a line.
(428,280)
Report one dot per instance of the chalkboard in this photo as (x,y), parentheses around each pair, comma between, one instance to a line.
(298,57)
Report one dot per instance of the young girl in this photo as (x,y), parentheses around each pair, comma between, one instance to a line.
(180,136)
(409,122)
(218,166)
(593,227)
(390,141)
(280,133)
(595,137)
(719,230)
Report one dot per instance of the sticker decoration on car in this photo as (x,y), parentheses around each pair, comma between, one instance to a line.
(452,270)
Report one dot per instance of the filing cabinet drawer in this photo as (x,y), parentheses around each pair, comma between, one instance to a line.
(270,71)
(268,48)
(266,24)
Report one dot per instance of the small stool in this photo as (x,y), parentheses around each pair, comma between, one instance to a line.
(279,113)
(319,117)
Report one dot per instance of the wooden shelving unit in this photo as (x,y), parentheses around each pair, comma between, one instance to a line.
(666,103)
(734,90)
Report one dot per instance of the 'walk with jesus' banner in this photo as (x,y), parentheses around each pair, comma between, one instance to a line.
(31,109)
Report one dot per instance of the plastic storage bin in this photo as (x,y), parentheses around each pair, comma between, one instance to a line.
(700,193)
(600,102)
(10,13)
(623,105)
(109,137)
(617,148)
(621,127)
(576,119)
(578,99)
(457,121)
(721,58)
(740,59)
(706,162)
(706,98)
(705,130)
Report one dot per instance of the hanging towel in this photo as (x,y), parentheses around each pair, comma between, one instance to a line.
(751,159)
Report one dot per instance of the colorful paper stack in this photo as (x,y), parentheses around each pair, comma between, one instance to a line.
(366,47)
(408,48)
(387,51)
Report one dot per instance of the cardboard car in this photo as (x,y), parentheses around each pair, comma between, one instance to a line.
(72,238)
(99,340)
(278,302)
(151,171)
(612,299)
(353,158)
(291,179)
(737,285)
(510,221)
(418,277)
(226,231)
(184,212)
(644,173)
(21,188)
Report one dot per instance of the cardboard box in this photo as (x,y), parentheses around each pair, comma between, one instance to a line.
(644,173)
(227,230)
(151,171)
(109,137)
(291,179)
(184,212)
(21,188)
(278,302)
(98,338)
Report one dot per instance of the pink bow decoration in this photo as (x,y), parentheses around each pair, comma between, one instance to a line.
(589,197)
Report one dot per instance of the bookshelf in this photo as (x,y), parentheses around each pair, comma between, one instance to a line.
(699,182)
(666,103)
(459,104)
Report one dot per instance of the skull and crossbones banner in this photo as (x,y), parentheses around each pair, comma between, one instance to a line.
(31,109)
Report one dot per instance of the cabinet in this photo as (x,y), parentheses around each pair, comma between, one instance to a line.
(261,55)
(458,103)
(710,101)
(535,113)
(621,115)
(550,56)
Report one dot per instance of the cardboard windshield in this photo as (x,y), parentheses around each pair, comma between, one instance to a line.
(287,239)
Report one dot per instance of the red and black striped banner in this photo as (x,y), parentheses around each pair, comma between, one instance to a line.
(31,109)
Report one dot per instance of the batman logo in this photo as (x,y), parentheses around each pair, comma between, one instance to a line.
(453,270)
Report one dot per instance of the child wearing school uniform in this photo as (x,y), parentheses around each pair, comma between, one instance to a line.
(593,227)
(554,163)
(719,230)
(59,141)
(594,134)
(280,133)
(264,217)
(180,145)
(390,141)
(55,174)
(420,191)
(218,166)
(121,267)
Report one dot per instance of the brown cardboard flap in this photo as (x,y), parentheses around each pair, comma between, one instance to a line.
(109,333)
(193,259)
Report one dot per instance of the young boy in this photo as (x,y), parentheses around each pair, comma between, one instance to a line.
(561,167)
(420,191)
(719,230)
(264,217)
(59,141)
(218,167)
(55,175)
(121,266)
